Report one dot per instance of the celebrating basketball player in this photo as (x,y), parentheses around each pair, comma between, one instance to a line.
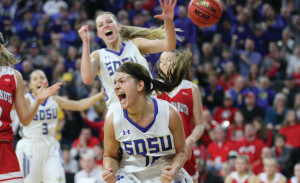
(38,151)
(124,44)
(186,98)
(149,131)
(12,93)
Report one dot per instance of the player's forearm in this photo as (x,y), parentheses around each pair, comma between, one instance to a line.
(178,161)
(109,162)
(196,133)
(170,35)
(86,103)
(29,113)
(86,65)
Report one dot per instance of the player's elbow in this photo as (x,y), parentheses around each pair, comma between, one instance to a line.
(171,47)
(87,80)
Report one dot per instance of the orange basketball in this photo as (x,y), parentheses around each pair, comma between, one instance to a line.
(205,13)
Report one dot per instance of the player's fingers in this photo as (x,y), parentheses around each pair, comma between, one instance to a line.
(174,4)
(170,2)
(161,4)
(167,168)
(111,178)
(159,17)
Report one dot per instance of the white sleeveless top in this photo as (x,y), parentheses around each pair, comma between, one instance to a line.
(294,180)
(44,122)
(235,176)
(145,150)
(110,61)
(264,179)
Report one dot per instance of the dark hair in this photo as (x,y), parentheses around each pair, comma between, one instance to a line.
(263,132)
(280,136)
(164,82)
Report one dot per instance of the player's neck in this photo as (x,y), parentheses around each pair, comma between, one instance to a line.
(115,46)
(241,174)
(270,177)
(138,112)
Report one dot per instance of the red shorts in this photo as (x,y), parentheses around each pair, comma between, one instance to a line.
(191,167)
(9,165)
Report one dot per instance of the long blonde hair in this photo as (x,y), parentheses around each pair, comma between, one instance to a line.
(6,57)
(131,32)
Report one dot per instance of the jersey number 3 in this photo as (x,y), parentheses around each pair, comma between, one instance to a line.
(45,128)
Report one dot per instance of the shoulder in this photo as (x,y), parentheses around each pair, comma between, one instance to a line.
(95,55)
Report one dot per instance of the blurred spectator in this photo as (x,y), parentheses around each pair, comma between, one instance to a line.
(70,164)
(67,36)
(294,61)
(275,115)
(89,172)
(98,154)
(26,69)
(231,160)
(97,125)
(290,129)
(225,170)
(265,94)
(297,106)
(206,176)
(137,8)
(114,6)
(294,24)
(250,145)
(227,80)
(248,57)
(227,111)
(260,38)
(238,91)
(70,59)
(253,75)
(235,130)
(52,6)
(218,150)
(287,43)
(25,28)
(282,153)
(8,15)
(258,167)
(35,56)
(209,124)
(290,90)
(227,56)
(251,109)
(275,24)
(214,93)
(262,132)
(84,144)
(241,173)
(296,177)
(270,173)
(207,55)
(42,37)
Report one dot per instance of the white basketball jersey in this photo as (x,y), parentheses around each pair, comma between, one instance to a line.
(110,61)
(235,176)
(145,150)
(44,122)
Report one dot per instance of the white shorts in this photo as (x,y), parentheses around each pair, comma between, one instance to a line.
(12,177)
(181,177)
(41,160)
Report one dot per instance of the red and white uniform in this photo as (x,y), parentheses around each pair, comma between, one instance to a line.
(182,99)
(264,179)
(251,149)
(235,178)
(294,180)
(9,166)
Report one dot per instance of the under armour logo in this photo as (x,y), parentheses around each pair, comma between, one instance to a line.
(124,132)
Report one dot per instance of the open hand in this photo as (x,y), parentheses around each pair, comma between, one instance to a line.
(167,10)
(44,92)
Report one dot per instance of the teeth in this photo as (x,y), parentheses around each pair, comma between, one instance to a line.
(107,31)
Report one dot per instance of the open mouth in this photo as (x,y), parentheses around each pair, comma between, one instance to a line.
(122,98)
(108,33)
(38,86)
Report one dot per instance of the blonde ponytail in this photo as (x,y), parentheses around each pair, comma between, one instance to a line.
(7,58)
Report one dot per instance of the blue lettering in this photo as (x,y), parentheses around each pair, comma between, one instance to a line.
(129,150)
(163,146)
(48,113)
(54,112)
(124,60)
(154,159)
(109,68)
(36,117)
(137,147)
(42,115)
(154,148)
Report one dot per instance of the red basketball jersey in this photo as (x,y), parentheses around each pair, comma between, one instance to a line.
(182,99)
(7,93)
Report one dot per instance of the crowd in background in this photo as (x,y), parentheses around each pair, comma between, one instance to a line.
(247,67)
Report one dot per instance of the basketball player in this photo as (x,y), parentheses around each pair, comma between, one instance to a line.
(186,98)
(242,173)
(38,151)
(270,175)
(149,131)
(124,44)
(12,93)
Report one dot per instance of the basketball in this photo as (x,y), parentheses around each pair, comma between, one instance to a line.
(205,13)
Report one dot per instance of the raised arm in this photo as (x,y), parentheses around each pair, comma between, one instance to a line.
(111,152)
(176,128)
(79,105)
(90,63)
(198,121)
(27,113)
(167,44)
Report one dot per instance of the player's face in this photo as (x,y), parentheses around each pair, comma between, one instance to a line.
(270,167)
(165,61)
(241,165)
(37,79)
(126,88)
(107,28)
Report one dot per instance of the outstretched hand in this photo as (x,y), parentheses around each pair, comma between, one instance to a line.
(44,92)
(84,33)
(167,10)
